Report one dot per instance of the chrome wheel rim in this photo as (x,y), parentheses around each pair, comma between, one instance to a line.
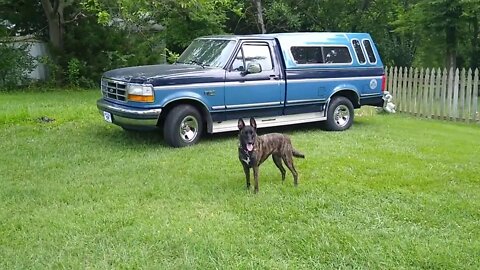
(341,115)
(189,129)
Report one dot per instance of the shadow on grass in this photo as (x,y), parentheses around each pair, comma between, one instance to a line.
(117,136)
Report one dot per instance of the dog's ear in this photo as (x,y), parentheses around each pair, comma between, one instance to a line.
(241,124)
(253,123)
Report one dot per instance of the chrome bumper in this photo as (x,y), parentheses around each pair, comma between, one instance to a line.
(130,117)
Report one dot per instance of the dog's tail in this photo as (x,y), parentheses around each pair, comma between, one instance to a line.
(297,154)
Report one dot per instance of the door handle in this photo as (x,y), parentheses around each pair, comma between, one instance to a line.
(274,77)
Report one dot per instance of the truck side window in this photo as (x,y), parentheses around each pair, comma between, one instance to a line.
(321,55)
(253,53)
(307,55)
(238,63)
(368,47)
(337,55)
(358,51)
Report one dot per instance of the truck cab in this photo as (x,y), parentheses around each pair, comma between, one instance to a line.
(280,79)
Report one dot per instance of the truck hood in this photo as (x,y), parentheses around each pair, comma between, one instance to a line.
(159,75)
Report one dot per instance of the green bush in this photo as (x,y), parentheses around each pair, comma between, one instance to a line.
(15,65)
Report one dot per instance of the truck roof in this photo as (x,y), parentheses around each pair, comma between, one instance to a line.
(299,37)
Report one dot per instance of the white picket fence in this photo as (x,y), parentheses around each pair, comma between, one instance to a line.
(435,93)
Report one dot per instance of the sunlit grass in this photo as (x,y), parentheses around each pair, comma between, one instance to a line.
(391,192)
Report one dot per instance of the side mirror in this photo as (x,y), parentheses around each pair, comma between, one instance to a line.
(253,68)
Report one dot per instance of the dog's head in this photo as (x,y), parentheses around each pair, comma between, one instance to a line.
(247,134)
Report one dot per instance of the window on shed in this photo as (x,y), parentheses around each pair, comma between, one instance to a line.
(369,49)
(307,55)
(337,55)
(358,51)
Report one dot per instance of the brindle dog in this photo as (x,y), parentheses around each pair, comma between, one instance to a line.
(254,150)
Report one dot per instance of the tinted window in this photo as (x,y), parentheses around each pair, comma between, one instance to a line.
(253,53)
(358,51)
(370,54)
(320,55)
(307,55)
(337,55)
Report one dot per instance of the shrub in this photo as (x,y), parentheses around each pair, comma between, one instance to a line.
(15,64)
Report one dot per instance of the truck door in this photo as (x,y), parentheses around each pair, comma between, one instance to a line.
(260,93)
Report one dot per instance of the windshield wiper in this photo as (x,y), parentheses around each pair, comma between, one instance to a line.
(196,62)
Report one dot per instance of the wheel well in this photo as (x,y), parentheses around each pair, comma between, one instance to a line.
(351,95)
(198,105)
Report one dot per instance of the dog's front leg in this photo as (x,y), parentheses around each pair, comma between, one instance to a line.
(246,169)
(255,178)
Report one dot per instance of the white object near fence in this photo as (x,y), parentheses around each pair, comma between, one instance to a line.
(435,93)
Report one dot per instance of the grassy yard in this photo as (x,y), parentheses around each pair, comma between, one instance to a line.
(392,192)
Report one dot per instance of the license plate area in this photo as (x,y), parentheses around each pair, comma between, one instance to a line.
(107,116)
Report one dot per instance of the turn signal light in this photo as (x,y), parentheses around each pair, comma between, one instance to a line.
(139,98)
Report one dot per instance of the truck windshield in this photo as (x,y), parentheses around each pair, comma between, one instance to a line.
(207,52)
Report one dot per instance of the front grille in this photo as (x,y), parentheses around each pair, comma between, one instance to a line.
(114,89)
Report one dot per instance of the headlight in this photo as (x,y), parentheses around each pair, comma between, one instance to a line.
(140,92)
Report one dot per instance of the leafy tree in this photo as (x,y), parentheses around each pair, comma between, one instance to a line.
(24,17)
(15,64)
(438,27)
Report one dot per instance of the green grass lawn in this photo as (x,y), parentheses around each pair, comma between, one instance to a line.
(392,192)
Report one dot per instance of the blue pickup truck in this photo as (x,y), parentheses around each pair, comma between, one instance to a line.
(281,79)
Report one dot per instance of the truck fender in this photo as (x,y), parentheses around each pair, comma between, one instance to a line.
(347,90)
(188,98)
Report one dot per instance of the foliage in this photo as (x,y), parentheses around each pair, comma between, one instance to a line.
(400,193)
(25,17)
(439,27)
(15,64)
(172,57)
(53,70)
(107,34)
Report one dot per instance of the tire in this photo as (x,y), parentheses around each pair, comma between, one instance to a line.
(183,126)
(340,114)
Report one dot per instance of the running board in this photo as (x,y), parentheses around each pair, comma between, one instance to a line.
(273,121)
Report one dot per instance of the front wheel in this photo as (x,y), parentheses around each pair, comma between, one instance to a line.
(339,114)
(183,126)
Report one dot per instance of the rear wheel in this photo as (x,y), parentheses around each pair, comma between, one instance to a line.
(183,126)
(339,114)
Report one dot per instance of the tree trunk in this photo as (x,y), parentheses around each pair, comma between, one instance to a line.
(475,57)
(56,23)
(451,41)
(258,5)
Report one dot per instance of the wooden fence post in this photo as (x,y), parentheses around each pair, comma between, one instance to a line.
(424,93)
(411,89)
(461,95)
(475,111)
(393,83)
(431,94)
(443,104)
(401,90)
(438,94)
(468,97)
(455,95)
(450,94)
